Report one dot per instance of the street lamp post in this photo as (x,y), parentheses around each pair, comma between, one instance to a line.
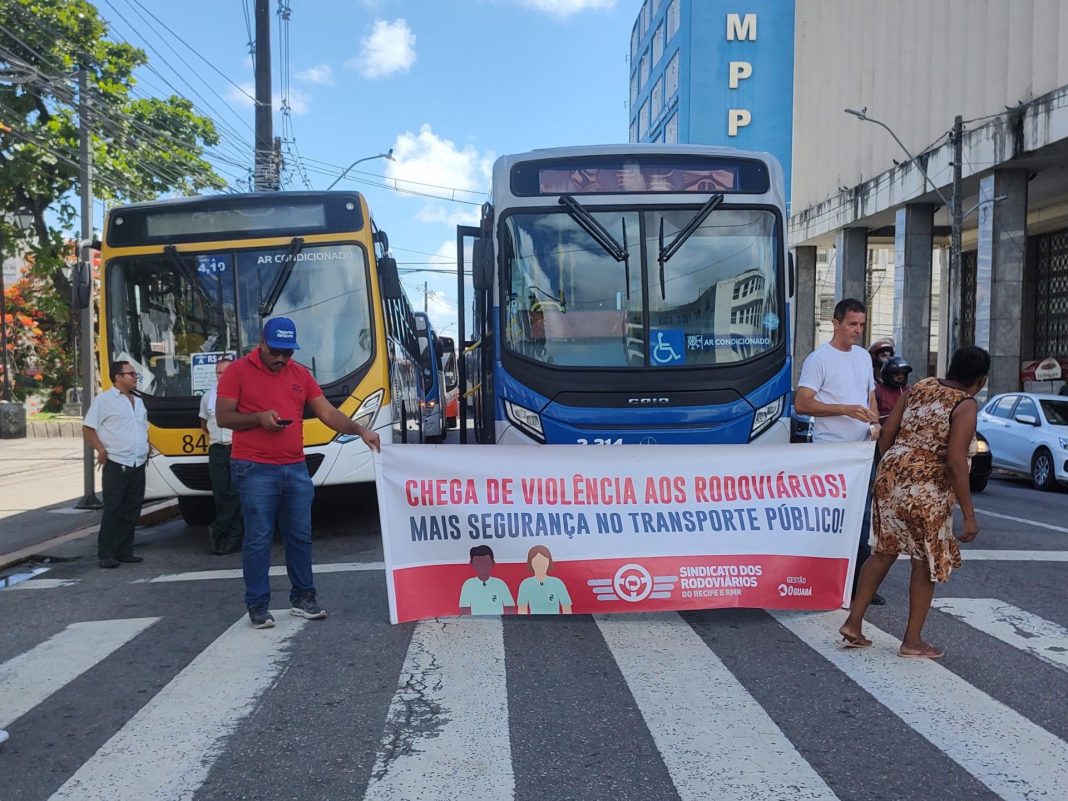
(953,205)
(12,414)
(388,156)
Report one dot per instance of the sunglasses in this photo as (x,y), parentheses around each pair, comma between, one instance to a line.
(285,353)
(135,375)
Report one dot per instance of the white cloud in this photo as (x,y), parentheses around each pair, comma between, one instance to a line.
(389,49)
(319,74)
(245,97)
(430,159)
(452,216)
(563,9)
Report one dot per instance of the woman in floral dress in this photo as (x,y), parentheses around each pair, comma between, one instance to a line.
(923,473)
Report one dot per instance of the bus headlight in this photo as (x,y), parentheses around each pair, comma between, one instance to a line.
(525,420)
(766,415)
(366,414)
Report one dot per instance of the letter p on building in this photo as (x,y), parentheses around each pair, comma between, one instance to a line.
(737,118)
(739,71)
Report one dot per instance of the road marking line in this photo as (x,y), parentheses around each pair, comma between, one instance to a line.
(706,725)
(31,677)
(446,733)
(42,584)
(1012,625)
(277,570)
(167,749)
(1013,556)
(1051,527)
(1000,747)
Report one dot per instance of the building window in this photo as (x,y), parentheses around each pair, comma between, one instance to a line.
(634,130)
(658,44)
(1051,314)
(633,87)
(657,99)
(634,43)
(673,18)
(643,20)
(827,304)
(643,70)
(672,76)
(671,130)
(643,121)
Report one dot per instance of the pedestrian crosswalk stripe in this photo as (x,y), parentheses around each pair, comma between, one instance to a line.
(446,732)
(167,748)
(33,676)
(277,570)
(1008,753)
(707,727)
(1012,625)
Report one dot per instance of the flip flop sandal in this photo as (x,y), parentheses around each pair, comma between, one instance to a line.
(930,652)
(855,642)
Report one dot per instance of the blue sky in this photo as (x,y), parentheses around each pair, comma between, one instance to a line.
(448,84)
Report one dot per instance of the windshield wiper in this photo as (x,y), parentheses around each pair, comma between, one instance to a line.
(601,235)
(190,275)
(683,235)
(280,280)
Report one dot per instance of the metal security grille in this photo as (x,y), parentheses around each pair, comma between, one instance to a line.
(1051,295)
(967,297)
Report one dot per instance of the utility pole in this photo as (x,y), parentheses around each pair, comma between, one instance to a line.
(426,296)
(85,180)
(956,298)
(266,173)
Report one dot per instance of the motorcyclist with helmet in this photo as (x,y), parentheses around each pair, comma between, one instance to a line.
(893,386)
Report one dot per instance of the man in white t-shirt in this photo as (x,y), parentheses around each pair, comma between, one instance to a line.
(837,389)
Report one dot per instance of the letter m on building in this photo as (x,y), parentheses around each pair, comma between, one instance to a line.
(739,27)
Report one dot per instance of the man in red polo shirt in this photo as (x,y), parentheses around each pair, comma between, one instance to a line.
(262,398)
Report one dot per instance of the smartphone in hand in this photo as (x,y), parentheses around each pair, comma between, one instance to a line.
(282,422)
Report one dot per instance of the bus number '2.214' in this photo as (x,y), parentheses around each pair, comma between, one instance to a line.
(189,444)
(599,441)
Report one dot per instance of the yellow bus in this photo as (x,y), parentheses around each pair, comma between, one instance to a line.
(188,281)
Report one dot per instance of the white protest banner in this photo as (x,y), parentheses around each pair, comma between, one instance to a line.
(492,529)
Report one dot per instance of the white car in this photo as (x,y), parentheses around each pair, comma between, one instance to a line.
(1028,434)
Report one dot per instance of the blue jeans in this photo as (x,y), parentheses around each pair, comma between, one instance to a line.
(270,493)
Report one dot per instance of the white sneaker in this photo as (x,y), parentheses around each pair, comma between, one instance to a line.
(3,735)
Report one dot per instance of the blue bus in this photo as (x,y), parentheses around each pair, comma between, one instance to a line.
(629,294)
(432,384)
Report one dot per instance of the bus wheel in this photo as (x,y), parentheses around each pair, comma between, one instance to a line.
(197,510)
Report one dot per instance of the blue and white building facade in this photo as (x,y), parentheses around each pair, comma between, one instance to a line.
(714,72)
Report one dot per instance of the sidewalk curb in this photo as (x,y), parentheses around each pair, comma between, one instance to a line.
(152,515)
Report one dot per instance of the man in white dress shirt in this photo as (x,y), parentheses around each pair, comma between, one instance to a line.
(228,529)
(116,427)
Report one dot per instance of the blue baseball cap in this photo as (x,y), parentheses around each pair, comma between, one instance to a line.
(280,333)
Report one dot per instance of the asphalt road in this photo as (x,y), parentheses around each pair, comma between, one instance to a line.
(121,685)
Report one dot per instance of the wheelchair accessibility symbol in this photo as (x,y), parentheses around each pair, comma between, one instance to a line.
(667,347)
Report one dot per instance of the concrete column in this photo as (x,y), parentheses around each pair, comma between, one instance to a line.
(945,323)
(999,278)
(804,306)
(851,264)
(913,242)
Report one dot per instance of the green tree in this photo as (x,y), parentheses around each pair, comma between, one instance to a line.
(142,147)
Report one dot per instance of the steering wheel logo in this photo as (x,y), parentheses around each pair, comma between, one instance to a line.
(632,583)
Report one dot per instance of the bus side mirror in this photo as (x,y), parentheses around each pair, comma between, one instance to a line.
(81,286)
(390,278)
(791,277)
(482,265)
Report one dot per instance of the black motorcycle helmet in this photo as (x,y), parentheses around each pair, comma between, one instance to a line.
(896,371)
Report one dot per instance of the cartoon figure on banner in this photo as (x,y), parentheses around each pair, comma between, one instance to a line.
(483,594)
(542,594)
